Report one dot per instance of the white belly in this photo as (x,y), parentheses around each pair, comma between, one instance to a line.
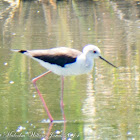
(77,68)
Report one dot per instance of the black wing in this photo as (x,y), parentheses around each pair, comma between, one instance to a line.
(60,60)
(59,56)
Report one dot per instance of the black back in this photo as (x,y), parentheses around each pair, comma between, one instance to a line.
(60,60)
(59,56)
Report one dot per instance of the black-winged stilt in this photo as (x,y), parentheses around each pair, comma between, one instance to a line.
(64,62)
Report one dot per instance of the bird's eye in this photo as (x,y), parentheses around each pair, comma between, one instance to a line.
(94,52)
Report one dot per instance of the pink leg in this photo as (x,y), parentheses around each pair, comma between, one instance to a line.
(40,95)
(61,99)
(62,106)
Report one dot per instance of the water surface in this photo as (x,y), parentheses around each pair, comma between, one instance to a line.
(104,104)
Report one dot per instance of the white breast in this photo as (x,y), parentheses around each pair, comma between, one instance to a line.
(81,66)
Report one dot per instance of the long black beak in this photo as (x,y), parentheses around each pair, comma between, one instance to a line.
(107,61)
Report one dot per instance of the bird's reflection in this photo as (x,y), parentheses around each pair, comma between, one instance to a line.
(49,133)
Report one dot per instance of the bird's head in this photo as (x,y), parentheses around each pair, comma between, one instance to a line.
(93,51)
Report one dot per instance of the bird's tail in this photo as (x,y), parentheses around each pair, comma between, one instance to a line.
(20,51)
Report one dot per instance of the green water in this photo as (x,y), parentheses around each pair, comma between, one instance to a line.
(101,105)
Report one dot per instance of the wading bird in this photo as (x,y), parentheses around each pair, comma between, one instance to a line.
(64,62)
